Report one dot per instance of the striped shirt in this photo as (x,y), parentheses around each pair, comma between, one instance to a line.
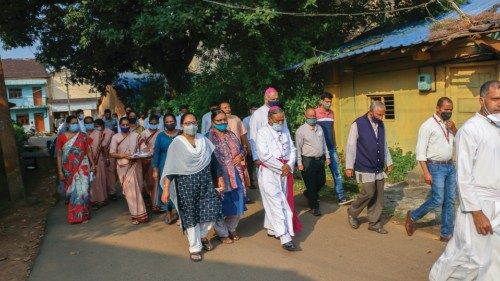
(325,120)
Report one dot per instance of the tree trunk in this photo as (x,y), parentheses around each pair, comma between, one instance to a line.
(8,145)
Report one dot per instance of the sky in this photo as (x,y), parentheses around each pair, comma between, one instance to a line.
(17,53)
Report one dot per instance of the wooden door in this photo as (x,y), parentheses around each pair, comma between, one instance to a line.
(464,82)
(39,122)
(37,96)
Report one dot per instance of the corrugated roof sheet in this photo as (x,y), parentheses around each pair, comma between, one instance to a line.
(408,35)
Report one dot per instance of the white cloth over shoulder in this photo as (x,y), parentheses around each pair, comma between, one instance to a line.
(469,255)
(184,159)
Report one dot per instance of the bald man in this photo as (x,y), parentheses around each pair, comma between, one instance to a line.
(259,119)
(312,156)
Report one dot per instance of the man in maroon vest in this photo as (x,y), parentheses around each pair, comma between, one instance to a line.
(367,155)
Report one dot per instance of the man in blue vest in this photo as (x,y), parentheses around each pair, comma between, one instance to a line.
(367,155)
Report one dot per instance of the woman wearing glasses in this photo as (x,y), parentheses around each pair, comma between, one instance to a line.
(191,163)
(229,154)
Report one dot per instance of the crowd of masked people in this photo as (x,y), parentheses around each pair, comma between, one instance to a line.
(199,171)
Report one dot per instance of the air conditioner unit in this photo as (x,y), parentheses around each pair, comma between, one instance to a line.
(424,82)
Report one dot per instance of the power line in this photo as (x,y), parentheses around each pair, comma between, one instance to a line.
(297,14)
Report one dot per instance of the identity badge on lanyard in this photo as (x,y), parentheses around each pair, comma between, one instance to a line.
(445,132)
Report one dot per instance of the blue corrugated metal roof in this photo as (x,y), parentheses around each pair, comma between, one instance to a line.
(409,35)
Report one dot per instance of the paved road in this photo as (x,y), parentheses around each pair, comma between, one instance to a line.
(109,247)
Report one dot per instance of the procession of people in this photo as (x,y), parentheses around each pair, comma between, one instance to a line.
(201,180)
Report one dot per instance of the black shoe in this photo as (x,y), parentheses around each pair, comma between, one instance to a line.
(289,246)
(352,221)
(379,230)
(112,197)
(316,212)
(249,201)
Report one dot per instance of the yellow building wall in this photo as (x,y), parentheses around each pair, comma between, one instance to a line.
(412,107)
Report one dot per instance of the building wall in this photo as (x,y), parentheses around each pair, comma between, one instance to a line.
(460,82)
(111,101)
(25,105)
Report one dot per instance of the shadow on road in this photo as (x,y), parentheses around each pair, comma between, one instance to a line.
(93,261)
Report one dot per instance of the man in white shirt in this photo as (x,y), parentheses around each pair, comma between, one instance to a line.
(434,153)
(277,155)
(206,120)
(259,119)
(473,252)
(246,120)
(249,158)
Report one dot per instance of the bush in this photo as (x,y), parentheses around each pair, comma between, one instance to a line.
(20,136)
(402,164)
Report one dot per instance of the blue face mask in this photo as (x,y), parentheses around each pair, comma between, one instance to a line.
(272,103)
(277,127)
(74,128)
(221,127)
(124,129)
(311,121)
(89,127)
(153,127)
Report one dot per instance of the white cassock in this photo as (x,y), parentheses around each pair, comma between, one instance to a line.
(271,147)
(258,120)
(469,255)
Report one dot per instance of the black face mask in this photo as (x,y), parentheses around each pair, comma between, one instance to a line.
(446,115)
(133,120)
(170,127)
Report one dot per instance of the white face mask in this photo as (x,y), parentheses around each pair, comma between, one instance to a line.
(493,117)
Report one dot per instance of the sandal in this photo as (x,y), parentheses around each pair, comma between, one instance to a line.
(225,240)
(234,236)
(207,246)
(134,222)
(196,257)
(168,218)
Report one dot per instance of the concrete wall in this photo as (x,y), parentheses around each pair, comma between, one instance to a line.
(460,82)
(25,105)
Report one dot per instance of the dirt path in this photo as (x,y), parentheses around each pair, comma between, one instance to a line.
(110,248)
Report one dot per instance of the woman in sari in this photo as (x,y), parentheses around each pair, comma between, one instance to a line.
(135,126)
(190,163)
(148,137)
(74,163)
(101,139)
(162,143)
(229,154)
(129,169)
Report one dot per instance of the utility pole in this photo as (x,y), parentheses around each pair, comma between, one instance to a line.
(8,145)
(66,83)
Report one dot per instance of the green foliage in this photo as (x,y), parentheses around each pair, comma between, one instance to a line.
(20,136)
(402,164)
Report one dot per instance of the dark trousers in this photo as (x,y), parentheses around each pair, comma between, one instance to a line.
(371,195)
(251,170)
(314,178)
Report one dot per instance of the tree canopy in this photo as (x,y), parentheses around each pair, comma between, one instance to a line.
(241,50)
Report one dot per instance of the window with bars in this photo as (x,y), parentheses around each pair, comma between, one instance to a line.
(15,93)
(388,100)
(23,119)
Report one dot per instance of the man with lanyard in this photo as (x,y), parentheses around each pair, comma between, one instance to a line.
(473,252)
(312,155)
(325,120)
(276,152)
(367,154)
(434,153)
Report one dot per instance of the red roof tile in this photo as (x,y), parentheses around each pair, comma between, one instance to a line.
(23,69)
